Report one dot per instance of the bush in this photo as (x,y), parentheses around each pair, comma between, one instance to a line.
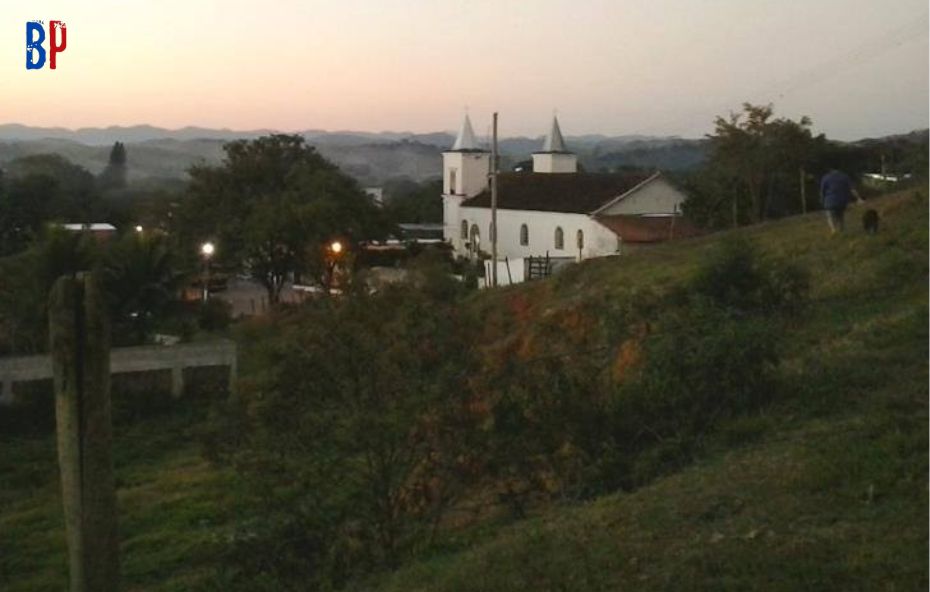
(215,315)
(736,277)
(702,366)
(341,435)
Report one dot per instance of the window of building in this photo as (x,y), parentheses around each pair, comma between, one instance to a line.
(559,238)
(524,235)
(464,234)
(452,175)
(475,237)
(579,240)
(491,233)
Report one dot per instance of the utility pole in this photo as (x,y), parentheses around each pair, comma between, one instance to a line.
(494,171)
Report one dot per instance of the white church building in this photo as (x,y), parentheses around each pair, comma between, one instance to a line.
(555,210)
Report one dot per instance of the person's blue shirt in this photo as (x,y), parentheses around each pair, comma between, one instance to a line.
(836,190)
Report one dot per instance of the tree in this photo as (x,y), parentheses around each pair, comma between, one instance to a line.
(114,175)
(352,436)
(272,206)
(762,157)
(140,280)
(416,203)
(41,188)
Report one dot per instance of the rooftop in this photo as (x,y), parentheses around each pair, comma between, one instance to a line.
(579,193)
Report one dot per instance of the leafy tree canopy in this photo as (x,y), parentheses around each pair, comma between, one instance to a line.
(272,206)
(38,189)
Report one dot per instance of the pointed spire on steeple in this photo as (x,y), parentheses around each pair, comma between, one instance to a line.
(554,141)
(466,142)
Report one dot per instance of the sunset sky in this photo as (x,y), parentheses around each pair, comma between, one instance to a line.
(660,67)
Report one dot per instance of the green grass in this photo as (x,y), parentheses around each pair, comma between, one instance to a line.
(174,508)
(825,490)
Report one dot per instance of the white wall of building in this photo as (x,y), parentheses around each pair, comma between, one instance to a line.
(465,173)
(554,162)
(655,197)
(598,240)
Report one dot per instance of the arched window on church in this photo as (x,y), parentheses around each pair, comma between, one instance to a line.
(559,238)
(491,236)
(475,238)
(464,234)
(524,235)
(579,240)
(452,179)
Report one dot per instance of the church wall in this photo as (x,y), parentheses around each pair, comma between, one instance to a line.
(598,241)
(656,197)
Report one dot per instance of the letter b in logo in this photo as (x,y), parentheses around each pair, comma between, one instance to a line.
(35,37)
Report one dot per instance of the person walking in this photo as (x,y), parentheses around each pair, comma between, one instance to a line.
(836,191)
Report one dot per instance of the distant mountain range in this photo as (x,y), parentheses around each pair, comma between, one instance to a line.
(372,158)
(96,136)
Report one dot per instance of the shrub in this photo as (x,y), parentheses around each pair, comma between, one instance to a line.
(215,315)
(703,365)
(735,276)
(348,435)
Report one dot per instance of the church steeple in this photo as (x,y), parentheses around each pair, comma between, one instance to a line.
(465,165)
(555,157)
(554,141)
(465,141)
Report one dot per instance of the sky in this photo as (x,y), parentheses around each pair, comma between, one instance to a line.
(858,68)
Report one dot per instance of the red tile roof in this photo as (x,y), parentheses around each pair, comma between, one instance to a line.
(578,193)
(648,229)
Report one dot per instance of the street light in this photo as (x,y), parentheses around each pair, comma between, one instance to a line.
(206,251)
(334,252)
(139,228)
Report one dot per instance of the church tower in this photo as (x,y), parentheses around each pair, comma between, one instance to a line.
(465,170)
(554,156)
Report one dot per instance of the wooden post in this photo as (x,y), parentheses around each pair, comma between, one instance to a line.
(80,347)
(494,201)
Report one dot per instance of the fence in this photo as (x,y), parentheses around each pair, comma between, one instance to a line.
(144,358)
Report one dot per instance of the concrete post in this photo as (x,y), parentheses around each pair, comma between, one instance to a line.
(177,380)
(80,347)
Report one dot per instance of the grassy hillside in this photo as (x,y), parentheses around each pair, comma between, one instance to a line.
(824,490)
(827,490)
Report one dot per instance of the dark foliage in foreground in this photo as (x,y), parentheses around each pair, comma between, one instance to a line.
(374,416)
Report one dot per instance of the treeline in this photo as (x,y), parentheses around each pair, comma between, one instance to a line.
(272,210)
(760,167)
(375,425)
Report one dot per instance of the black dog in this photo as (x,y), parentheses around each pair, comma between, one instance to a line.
(870,221)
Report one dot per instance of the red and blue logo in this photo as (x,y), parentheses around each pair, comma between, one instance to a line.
(35,37)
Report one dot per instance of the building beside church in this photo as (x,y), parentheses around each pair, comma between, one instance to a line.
(555,210)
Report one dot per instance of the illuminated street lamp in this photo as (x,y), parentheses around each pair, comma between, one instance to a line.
(334,252)
(139,228)
(206,251)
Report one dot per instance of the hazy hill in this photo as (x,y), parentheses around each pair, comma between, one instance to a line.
(372,158)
